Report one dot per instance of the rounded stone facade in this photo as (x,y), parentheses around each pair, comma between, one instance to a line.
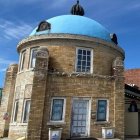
(74,63)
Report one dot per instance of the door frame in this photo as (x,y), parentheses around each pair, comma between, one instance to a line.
(89,114)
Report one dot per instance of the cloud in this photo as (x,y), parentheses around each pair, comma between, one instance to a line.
(15,2)
(3,70)
(57,4)
(6,62)
(12,30)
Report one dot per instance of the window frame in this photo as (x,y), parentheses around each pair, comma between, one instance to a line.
(31,56)
(107,110)
(21,66)
(23,111)
(91,60)
(64,109)
(15,114)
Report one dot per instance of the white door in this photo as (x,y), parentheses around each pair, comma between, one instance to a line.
(80,118)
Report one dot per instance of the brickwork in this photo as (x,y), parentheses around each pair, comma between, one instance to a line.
(38,96)
(7,99)
(82,87)
(23,80)
(132,76)
(56,77)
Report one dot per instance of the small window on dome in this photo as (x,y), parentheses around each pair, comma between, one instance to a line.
(44,25)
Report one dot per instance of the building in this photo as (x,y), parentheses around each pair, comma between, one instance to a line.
(132,109)
(132,102)
(132,77)
(69,80)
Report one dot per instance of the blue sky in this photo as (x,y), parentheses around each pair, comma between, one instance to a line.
(18,18)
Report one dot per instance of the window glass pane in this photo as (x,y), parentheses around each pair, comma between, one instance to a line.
(88,52)
(57,109)
(79,57)
(78,68)
(33,58)
(79,63)
(102,110)
(15,111)
(79,51)
(22,61)
(83,69)
(84,52)
(26,111)
(84,57)
(88,64)
(83,63)
(87,69)
(88,58)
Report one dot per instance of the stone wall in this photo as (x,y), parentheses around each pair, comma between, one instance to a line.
(7,99)
(82,87)
(61,80)
(24,86)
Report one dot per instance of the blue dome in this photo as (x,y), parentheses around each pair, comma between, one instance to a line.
(77,25)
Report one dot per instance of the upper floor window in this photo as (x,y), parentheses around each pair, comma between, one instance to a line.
(102,110)
(84,60)
(22,60)
(15,111)
(26,110)
(33,57)
(57,110)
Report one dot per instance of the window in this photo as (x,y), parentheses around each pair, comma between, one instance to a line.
(22,60)
(102,110)
(15,113)
(44,25)
(57,111)
(84,60)
(0,95)
(33,57)
(133,107)
(26,110)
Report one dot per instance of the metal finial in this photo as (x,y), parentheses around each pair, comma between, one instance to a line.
(77,9)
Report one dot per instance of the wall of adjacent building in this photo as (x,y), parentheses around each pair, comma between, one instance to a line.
(132,77)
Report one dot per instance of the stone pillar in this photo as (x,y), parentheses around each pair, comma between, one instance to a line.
(119,100)
(7,99)
(38,95)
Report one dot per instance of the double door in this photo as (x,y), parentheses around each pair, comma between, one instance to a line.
(80,118)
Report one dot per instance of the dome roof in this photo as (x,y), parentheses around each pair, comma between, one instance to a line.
(77,25)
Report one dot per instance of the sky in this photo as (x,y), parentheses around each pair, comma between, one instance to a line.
(18,19)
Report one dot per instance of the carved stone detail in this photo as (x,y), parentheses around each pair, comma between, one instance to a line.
(118,62)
